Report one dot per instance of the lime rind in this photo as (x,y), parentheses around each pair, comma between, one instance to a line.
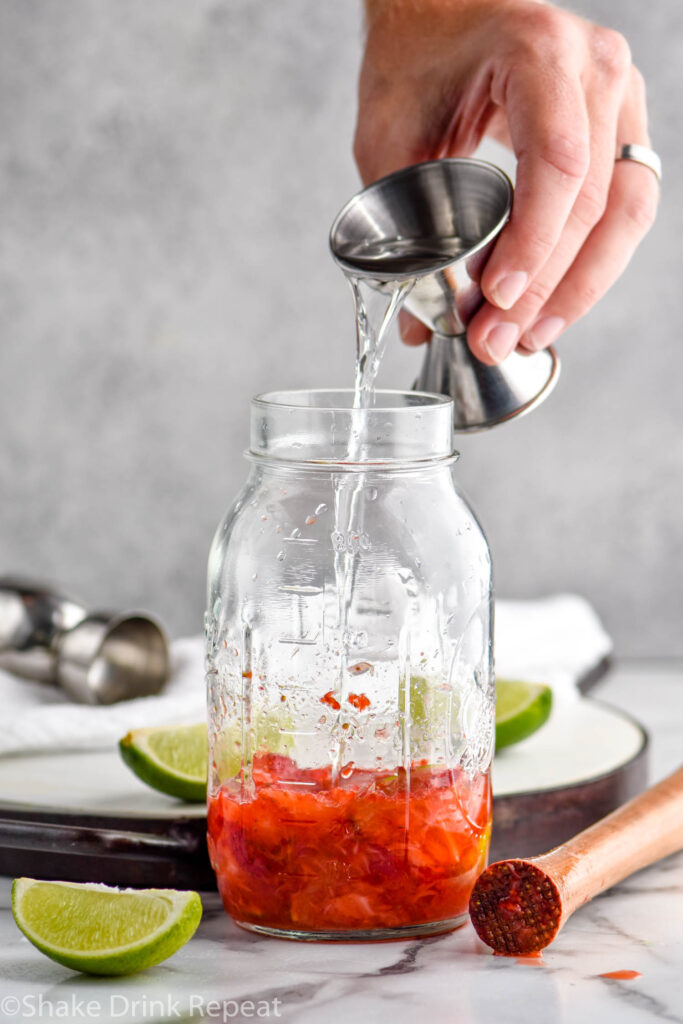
(177,927)
(141,749)
(521,709)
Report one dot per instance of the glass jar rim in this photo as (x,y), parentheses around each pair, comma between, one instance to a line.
(424,399)
(321,426)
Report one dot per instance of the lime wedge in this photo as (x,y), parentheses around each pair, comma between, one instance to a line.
(521,709)
(173,759)
(99,929)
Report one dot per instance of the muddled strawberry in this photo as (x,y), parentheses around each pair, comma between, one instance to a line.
(301,850)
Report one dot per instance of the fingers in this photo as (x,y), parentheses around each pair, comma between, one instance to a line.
(604,257)
(549,128)
(566,92)
(585,262)
(631,210)
(606,81)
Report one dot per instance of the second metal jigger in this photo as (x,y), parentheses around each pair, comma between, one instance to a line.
(436,223)
(97,657)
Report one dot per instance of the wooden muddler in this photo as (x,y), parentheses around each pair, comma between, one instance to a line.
(519,906)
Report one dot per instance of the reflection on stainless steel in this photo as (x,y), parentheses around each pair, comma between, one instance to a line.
(107,658)
(484,396)
(31,618)
(97,658)
(436,223)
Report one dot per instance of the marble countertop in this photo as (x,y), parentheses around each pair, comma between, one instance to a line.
(226,974)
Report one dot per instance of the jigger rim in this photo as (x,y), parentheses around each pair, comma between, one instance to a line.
(407,172)
(89,670)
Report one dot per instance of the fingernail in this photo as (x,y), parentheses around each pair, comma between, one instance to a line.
(509,289)
(501,340)
(544,331)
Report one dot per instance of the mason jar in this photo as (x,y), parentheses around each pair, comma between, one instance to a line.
(349,672)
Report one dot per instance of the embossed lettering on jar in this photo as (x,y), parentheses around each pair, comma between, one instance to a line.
(349,674)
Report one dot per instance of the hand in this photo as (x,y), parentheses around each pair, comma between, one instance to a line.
(439,75)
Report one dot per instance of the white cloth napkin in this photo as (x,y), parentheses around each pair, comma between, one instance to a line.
(555,640)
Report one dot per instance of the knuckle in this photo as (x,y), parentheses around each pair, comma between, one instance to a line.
(611,53)
(566,154)
(538,244)
(640,208)
(590,204)
(537,294)
(636,86)
(589,293)
(548,31)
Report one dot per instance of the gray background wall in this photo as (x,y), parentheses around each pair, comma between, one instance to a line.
(168,174)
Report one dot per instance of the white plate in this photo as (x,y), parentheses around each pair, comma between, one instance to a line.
(582,740)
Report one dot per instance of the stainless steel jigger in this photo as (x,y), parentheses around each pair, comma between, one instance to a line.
(97,658)
(436,223)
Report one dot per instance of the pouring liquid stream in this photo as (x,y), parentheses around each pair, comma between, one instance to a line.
(349,538)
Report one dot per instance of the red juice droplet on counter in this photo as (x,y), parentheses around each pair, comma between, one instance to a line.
(533,959)
(621,975)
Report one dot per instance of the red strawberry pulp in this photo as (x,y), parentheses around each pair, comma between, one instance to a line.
(295,850)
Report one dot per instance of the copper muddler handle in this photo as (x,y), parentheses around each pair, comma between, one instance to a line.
(519,906)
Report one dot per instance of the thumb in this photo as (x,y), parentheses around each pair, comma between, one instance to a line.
(413,332)
(388,137)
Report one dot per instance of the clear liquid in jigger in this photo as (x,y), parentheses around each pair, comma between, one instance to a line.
(401,255)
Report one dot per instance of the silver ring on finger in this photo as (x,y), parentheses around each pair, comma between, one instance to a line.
(642,155)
